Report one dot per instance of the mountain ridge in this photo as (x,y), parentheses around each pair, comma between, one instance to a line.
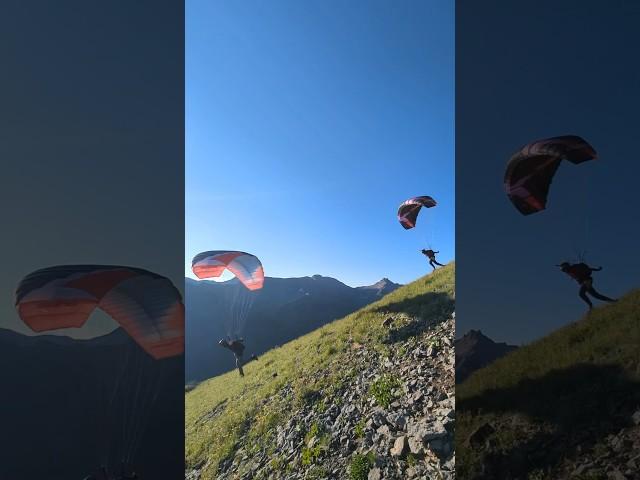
(384,281)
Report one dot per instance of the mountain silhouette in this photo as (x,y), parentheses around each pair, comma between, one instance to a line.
(56,388)
(475,351)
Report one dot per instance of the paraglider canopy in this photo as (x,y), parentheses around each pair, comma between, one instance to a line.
(146,305)
(530,171)
(246,267)
(235,297)
(409,209)
(127,376)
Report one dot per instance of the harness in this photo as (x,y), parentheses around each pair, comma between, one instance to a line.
(580,272)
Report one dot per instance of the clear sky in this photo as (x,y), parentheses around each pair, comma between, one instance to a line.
(308,123)
(526,71)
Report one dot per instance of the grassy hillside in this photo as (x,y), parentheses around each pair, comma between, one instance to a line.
(228,412)
(551,409)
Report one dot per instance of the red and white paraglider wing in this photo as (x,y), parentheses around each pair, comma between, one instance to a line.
(246,267)
(147,306)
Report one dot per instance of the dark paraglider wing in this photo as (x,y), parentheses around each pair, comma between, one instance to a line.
(568,147)
(530,171)
(409,210)
(246,267)
(146,305)
(527,181)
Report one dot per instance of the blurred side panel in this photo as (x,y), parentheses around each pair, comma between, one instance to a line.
(546,174)
(92,172)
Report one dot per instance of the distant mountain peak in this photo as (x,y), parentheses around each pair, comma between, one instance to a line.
(476,334)
(381,287)
(384,283)
(475,350)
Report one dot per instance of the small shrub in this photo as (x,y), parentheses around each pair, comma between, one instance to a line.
(434,342)
(321,406)
(277,464)
(311,455)
(382,390)
(314,431)
(360,466)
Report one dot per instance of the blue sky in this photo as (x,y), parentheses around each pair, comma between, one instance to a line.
(308,123)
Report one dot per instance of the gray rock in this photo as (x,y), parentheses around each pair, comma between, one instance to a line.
(375,474)
(400,447)
(416,446)
(398,420)
(616,475)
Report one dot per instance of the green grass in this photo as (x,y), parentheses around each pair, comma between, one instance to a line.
(359,428)
(412,460)
(568,381)
(311,454)
(382,390)
(314,431)
(252,407)
(360,466)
